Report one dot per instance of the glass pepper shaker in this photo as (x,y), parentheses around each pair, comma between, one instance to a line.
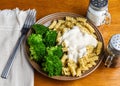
(98,12)
(113,52)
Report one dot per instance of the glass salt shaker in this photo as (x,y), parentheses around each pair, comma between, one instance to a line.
(98,12)
(113,52)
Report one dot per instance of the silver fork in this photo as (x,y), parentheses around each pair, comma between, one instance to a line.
(30,20)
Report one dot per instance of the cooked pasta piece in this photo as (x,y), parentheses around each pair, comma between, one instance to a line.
(89,27)
(57,26)
(79,72)
(63,59)
(94,35)
(58,37)
(53,24)
(95,58)
(61,21)
(93,63)
(91,55)
(59,34)
(64,44)
(82,28)
(68,18)
(69,24)
(70,61)
(66,71)
(84,68)
(85,59)
(99,47)
(81,63)
(72,69)
(65,49)
(61,28)
(89,65)
(90,49)
(81,19)
(64,30)
(71,19)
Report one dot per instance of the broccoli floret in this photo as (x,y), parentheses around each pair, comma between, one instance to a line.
(52,65)
(37,47)
(40,29)
(44,51)
(50,38)
(55,50)
(34,39)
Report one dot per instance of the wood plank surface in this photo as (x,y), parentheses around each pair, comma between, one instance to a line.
(101,76)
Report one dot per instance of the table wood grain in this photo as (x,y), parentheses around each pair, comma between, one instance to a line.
(101,76)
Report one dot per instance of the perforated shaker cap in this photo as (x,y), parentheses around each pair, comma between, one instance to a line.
(99,4)
(115,43)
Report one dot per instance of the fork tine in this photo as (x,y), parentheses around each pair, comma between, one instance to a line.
(30,20)
(34,16)
(27,19)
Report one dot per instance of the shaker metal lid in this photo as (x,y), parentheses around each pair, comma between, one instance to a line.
(115,43)
(99,4)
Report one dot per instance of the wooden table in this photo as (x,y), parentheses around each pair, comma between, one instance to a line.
(101,76)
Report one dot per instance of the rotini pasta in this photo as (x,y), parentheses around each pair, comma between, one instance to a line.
(53,24)
(66,71)
(99,47)
(82,28)
(79,72)
(91,30)
(63,59)
(81,19)
(72,69)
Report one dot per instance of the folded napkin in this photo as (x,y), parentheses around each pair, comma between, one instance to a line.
(21,73)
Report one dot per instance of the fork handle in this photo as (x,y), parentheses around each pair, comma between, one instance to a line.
(8,66)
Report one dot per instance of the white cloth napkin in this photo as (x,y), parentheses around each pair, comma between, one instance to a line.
(21,73)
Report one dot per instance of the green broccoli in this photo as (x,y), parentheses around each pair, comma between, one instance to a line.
(44,51)
(52,65)
(37,47)
(55,50)
(40,29)
(34,39)
(50,38)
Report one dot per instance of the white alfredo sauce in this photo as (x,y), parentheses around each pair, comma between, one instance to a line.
(76,42)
